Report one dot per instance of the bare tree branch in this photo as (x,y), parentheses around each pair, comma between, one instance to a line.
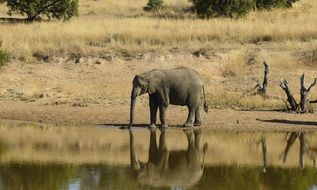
(290,98)
(304,93)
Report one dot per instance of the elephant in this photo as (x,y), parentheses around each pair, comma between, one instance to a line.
(178,86)
(169,168)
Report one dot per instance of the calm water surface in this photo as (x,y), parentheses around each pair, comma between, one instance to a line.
(35,157)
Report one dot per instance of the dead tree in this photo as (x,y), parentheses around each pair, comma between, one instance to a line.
(304,93)
(302,106)
(290,98)
(262,89)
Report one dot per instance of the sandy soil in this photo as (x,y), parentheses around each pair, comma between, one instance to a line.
(91,91)
(217,119)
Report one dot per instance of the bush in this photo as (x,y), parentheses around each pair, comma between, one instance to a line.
(154,5)
(236,8)
(228,8)
(35,9)
(4,57)
(269,4)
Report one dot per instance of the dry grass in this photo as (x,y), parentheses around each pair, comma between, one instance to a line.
(121,25)
(284,38)
(236,100)
(234,63)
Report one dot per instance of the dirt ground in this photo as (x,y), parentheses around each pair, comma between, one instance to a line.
(216,119)
(92,91)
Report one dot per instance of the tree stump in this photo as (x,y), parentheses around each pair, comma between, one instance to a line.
(304,92)
(262,89)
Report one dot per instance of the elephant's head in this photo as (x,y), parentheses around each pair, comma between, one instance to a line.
(141,84)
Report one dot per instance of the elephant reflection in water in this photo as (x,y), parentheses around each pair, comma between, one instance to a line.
(304,147)
(169,168)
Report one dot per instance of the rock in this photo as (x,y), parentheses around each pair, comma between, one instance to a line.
(46,95)
(80,104)
(41,56)
(99,61)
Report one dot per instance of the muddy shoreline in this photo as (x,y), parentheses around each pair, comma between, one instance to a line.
(215,119)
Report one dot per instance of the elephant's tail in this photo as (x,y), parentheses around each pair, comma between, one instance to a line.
(205,103)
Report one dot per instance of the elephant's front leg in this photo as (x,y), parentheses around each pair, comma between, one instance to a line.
(153,111)
(163,109)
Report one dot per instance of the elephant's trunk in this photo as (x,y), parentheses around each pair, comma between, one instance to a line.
(134,94)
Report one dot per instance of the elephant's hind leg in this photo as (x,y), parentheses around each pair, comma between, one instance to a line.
(190,117)
(192,111)
(197,117)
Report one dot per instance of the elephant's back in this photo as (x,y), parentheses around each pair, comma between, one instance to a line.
(184,75)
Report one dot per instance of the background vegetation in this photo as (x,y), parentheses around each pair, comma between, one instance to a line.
(227,52)
(36,9)
(102,27)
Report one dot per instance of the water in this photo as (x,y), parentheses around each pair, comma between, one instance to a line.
(35,157)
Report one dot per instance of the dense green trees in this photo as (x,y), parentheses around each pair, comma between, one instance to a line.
(227,8)
(35,9)
(268,4)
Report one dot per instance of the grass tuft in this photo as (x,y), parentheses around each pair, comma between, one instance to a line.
(4,57)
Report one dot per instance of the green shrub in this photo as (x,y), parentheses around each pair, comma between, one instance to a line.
(236,8)
(35,9)
(269,4)
(4,57)
(154,5)
(228,8)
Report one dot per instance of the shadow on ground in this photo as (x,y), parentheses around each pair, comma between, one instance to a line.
(126,126)
(11,20)
(291,122)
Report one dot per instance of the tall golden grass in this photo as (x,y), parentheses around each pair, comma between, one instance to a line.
(121,25)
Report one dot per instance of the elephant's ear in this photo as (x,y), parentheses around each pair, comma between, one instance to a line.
(154,84)
(152,89)
(140,80)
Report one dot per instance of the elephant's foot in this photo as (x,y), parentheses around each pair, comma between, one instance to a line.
(197,123)
(188,124)
(163,125)
(152,126)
